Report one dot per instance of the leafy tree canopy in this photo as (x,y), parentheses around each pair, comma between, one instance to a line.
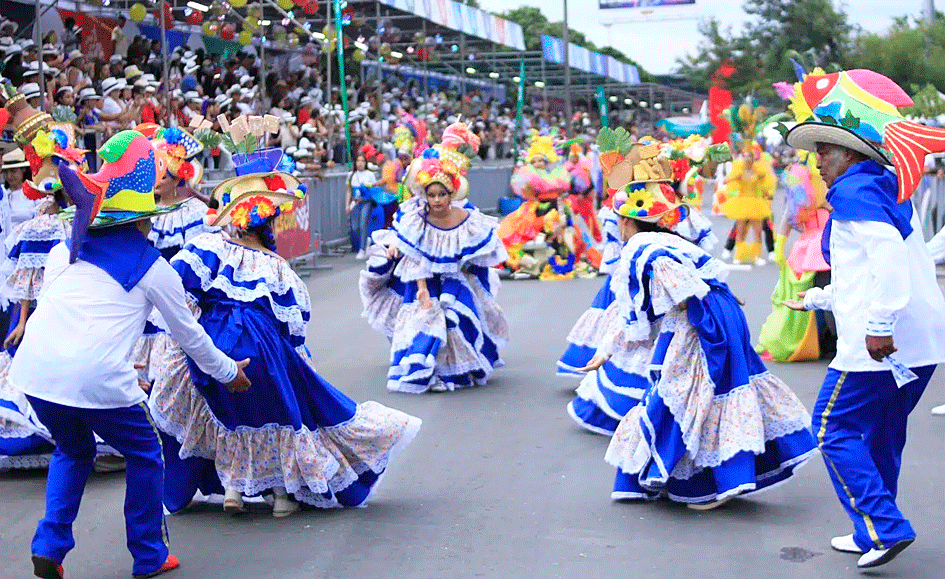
(534,25)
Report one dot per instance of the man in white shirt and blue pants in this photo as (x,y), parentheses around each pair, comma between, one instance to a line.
(74,363)
(890,317)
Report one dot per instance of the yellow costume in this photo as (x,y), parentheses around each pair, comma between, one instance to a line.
(750,187)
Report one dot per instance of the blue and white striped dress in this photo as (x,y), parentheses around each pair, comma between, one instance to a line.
(456,342)
(714,423)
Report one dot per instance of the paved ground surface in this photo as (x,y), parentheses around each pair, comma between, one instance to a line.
(501,484)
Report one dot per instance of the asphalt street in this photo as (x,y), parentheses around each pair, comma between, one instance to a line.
(500,483)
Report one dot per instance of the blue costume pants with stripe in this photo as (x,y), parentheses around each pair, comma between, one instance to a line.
(860,422)
(131,432)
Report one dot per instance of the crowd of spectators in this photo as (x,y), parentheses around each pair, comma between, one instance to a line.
(102,96)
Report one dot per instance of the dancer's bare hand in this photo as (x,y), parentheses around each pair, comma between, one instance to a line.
(796,305)
(423,295)
(393,252)
(880,346)
(241,383)
(142,383)
(596,362)
(16,335)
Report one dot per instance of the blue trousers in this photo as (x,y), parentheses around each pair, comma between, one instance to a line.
(360,218)
(860,423)
(131,432)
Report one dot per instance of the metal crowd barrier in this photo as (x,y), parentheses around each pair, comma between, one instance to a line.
(328,223)
(930,203)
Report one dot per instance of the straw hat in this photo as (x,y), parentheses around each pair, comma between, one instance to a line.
(110,85)
(15,159)
(239,197)
(30,90)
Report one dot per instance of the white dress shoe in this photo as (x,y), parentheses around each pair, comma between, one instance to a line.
(708,506)
(939,410)
(877,557)
(845,544)
(283,506)
(233,503)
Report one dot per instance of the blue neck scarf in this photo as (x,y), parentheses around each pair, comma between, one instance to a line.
(867,192)
(123,252)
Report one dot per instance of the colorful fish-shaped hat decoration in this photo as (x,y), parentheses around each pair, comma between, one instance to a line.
(857,109)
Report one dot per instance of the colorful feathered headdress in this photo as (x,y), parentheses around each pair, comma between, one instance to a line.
(446,162)
(410,136)
(541,146)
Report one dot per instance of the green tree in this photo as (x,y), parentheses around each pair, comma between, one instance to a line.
(759,51)
(534,25)
(910,53)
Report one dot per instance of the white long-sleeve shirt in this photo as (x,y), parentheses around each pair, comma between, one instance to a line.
(77,347)
(882,285)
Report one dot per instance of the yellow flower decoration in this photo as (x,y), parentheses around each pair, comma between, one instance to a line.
(449,166)
(639,200)
(43,144)
(240,217)
(287,207)
(423,178)
(265,210)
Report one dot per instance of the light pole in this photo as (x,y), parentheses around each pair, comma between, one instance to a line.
(567,71)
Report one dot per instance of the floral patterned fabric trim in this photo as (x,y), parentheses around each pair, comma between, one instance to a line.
(307,463)
(714,428)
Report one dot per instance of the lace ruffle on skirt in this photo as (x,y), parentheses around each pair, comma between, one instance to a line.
(314,465)
(713,428)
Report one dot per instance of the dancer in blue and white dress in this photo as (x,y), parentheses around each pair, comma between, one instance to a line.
(291,433)
(430,285)
(714,423)
(606,395)
(24,441)
(176,150)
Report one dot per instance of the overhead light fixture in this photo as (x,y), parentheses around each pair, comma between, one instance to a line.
(516,79)
(493,75)
(540,84)
(361,46)
(643,104)
(199,7)
(318,35)
(628,102)
(613,98)
(470,70)
(658,106)
(395,54)
(265,22)
(686,110)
